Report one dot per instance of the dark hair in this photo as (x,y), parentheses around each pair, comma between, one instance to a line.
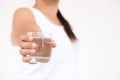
(67,26)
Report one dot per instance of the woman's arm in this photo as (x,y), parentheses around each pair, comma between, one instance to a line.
(23,22)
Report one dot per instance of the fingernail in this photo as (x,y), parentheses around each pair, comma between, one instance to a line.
(30,38)
(27,56)
(33,51)
(34,45)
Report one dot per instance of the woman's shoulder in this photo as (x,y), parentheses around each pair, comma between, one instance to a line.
(23,11)
(24,14)
(24,19)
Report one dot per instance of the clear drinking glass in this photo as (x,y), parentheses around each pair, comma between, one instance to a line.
(44,48)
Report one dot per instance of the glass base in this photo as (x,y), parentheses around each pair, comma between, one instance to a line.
(36,60)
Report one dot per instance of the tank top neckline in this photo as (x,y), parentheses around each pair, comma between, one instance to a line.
(47,18)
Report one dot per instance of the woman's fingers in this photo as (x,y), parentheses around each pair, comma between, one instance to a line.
(25,38)
(27,45)
(25,52)
(26,58)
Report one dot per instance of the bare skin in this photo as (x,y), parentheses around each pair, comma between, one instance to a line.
(24,22)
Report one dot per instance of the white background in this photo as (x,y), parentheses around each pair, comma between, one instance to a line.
(97,23)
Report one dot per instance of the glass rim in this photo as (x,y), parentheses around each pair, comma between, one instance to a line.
(40,33)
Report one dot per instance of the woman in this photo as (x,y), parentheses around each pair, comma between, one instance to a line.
(45,16)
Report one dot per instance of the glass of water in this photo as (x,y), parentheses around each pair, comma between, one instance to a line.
(44,47)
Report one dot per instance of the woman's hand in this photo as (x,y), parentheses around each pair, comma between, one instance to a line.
(28,47)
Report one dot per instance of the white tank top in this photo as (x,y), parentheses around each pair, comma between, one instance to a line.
(63,62)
